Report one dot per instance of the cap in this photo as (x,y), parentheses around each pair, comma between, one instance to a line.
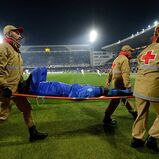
(156,31)
(157,26)
(9,28)
(127,48)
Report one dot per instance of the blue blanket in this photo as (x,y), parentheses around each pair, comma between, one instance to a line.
(40,86)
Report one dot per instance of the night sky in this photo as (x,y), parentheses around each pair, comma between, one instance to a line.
(60,22)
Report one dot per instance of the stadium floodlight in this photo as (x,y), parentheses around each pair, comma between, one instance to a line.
(93,36)
(149,26)
(155,23)
(1,39)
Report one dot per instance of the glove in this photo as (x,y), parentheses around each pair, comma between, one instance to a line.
(107,85)
(23,87)
(6,92)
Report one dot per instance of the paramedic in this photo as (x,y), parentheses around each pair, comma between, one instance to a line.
(10,75)
(147,95)
(119,75)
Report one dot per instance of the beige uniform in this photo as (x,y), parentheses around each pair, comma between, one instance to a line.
(10,67)
(120,73)
(146,91)
(10,75)
(120,78)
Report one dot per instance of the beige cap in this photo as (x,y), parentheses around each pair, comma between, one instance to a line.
(127,48)
(156,31)
(9,28)
(157,26)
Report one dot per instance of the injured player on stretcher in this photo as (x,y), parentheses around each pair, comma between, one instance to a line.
(36,84)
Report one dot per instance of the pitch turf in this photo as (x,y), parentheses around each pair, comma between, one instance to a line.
(75,129)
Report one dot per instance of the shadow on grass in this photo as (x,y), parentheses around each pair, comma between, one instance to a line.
(65,131)
(65,102)
(13,143)
(145,150)
(74,128)
(126,117)
(91,112)
(62,129)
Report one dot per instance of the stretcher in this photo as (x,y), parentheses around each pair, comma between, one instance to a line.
(70,98)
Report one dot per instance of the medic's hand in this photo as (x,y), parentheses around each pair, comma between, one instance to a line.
(6,92)
(107,84)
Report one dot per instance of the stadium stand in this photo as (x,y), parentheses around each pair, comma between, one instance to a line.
(57,57)
(138,41)
(77,57)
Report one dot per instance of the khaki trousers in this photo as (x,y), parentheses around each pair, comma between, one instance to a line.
(118,84)
(22,104)
(140,124)
(114,104)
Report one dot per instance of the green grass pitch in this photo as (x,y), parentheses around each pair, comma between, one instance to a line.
(74,127)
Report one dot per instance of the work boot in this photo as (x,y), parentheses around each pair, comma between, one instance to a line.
(151,143)
(35,135)
(134,114)
(109,121)
(137,143)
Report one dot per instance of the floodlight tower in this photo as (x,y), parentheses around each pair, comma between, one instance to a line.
(92,39)
(93,36)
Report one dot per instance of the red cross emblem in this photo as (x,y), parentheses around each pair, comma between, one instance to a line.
(149,56)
